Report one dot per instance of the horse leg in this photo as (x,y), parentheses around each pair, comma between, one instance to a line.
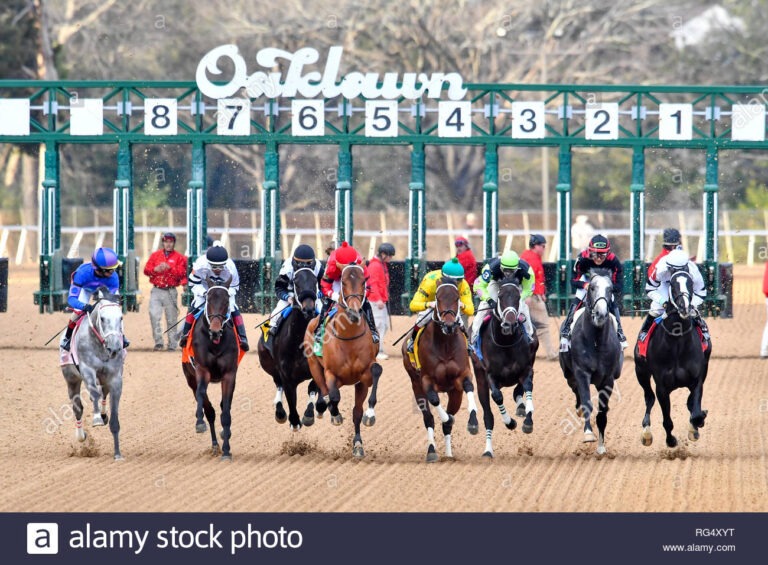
(333,398)
(369,418)
(697,414)
(664,403)
(309,414)
(73,388)
(280,415)
(603,397)
(227,393)
(318,373)
(429,421)
(454,403)
(94,390)
(116,388)
(528,388)
(293,414)
(103,411)
(582,383)
(644,378)
(469,388)
(517,394)
(484,398)
(361,391)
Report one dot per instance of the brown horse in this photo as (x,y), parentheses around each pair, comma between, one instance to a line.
(348,355)
(443,367)
(215,357)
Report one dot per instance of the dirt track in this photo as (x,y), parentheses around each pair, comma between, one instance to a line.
(167,464)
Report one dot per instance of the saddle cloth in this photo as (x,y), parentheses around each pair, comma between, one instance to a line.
(188,352)
(642,346)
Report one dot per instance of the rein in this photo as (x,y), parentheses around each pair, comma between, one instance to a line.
(343,297)
(224,317)
(500,314)
(437,315)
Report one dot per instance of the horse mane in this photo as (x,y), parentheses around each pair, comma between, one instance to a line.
(448,280)
(102,292)
(600,272)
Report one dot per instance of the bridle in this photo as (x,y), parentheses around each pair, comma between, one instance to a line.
(343,298)
(98,329)
(438,315)
(684,281)
(302,294)
(502,314)
(210,317)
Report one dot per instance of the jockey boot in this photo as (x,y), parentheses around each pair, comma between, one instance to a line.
(703,325)
(647,323)
(240,326)
(65,341)
(565,328)
(411,339)
(368,313)
(619,330)
(185,330)
(273,327)
(321,318)
(126,343)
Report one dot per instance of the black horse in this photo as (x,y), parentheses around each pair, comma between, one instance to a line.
(215,359)
(676,359)
(286,364)
(595,356)
(507,360)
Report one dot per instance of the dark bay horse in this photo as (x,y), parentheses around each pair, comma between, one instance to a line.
(675,360)
(286,364)
(595,356)
(216,351)
(97,346)
(348,356)
(443,367)
(507,361)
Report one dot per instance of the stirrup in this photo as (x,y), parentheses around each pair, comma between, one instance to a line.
(244,344)
(65,343)
(375,337)
(642,336)
(183,341)
(409,345)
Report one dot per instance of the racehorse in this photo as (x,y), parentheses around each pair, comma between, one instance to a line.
(443,366)
(97,348)
(286,364)
(506,360)
(676,360)
(215,356)
(595,355)
(348,356)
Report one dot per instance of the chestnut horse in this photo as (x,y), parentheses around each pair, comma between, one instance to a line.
(215,347)
(443,367)
(348,355)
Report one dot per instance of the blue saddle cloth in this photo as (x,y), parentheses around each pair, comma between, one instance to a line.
(478,346)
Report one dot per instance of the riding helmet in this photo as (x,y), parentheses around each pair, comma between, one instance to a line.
(677,259)
(387,249)
(217,256)
(452,268)
(537,239)
(599,244)
(671,237)
(346,254)
(304,253)
(169,235)
(105,258)
(510,260)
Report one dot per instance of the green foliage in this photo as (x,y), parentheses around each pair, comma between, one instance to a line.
(151,195)
(755,196)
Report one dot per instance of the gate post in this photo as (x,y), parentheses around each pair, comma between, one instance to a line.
(490,202)
(52,295)
(270,228)
(344,224)
(197,223)
(634,269)
(122,222)
(715,301)
(564,261)
(415,266)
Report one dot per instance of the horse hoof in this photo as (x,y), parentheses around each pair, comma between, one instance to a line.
(671,442)
(227,458)
(369,420)
(528,428)
(105,419)
(520,412)
(358,452)
(601,450)
(589,437)
(431,454)
(693,433)
(647,438)
(215,450)
(488,454)
(337,420)
(295,428)
(200,428)
(305,421)
(472,426)
(119,457)
(512,424)
(97,421)
(281,419)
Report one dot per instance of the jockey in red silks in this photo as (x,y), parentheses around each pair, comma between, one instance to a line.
(330,284)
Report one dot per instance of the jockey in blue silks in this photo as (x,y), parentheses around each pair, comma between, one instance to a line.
(101,271)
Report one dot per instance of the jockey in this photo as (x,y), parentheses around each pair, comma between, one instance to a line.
(670,241)
(424,299)
(597,256)
(487,288)
(330,285)
(101,271)
(217,265)
(303,258)
(657,289)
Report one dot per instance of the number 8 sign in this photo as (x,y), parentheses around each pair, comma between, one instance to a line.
(160,116)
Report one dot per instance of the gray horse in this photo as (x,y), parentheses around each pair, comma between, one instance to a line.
(97,346)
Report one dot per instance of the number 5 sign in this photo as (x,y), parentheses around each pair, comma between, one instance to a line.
(381,118)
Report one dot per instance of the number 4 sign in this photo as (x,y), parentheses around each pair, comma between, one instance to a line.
(454,119)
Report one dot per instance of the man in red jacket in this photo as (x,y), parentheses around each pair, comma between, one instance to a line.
(166,269)
(537,303)
(467,259)
(378,295)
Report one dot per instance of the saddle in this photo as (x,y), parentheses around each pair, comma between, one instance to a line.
(317,346)
(414,357)
(642,346)
(188,352)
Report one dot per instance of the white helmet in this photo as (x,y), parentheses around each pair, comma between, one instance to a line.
(677,259)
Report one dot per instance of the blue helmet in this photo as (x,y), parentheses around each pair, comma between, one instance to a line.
(105,258)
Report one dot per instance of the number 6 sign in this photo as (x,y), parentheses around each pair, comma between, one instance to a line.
(307,117)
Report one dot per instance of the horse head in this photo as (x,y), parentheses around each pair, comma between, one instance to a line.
(508,304)
(447,307)
(681,293)
(353,291)
(599,296)
(305,289)
(106,321)
(217,307)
